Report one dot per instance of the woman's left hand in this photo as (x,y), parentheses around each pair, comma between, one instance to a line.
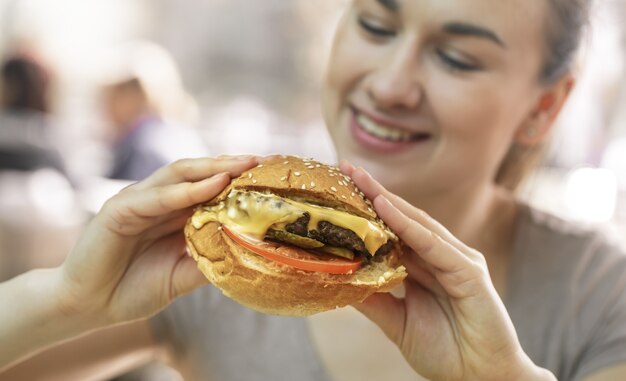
(451,323)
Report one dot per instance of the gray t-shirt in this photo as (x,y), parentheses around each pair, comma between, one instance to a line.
(566,296)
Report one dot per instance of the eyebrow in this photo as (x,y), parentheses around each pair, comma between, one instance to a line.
(391,5)
(464,29)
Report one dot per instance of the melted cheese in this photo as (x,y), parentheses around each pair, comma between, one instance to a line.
(253,213)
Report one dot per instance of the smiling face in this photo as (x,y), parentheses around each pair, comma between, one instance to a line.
(427,95)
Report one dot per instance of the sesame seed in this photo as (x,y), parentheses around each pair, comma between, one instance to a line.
(333,189)
(352,194)
(297,173)
(312,185)
(332,175)
(250,175)
(317,165)
(344,197)
(340,182)
(370,210)
(260,166)
(283,178)
(253,181)
(303,186)
(285,162)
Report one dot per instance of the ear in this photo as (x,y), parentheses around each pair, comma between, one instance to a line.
(539,123)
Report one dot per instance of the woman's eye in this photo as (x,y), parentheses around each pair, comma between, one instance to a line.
(375,30)
(456,64)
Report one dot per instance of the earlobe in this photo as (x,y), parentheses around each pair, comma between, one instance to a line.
(539,124)
(534,131)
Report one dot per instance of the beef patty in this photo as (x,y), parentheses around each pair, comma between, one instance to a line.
(333,235)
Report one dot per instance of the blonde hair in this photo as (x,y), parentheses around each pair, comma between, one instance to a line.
(156,73)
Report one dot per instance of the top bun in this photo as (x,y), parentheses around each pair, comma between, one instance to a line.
(307,179)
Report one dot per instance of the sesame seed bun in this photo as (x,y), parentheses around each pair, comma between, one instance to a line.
(295,177)
(277,289)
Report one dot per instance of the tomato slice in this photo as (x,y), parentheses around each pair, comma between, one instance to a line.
(295,256)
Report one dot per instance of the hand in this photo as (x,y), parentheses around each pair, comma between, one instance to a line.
(130,261)
(451,324)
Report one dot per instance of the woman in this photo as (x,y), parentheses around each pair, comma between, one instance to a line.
(440,101)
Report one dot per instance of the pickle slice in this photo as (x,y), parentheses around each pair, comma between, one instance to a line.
(308,243)
(338,251)
(294,239)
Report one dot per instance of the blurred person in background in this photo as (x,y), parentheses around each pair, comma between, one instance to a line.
(149,113)
(39,218)
(25,136)
(447,104)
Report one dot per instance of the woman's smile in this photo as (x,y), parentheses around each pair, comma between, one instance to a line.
(384,136)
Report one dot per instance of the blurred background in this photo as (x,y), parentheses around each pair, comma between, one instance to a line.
(83,80)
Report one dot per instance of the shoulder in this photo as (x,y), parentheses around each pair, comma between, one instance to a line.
(579,268)
(549,236)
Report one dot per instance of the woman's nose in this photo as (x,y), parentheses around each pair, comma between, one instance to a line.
(395,84)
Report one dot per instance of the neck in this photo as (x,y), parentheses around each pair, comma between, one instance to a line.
(481,217)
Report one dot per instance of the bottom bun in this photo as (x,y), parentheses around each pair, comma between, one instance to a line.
(276,289)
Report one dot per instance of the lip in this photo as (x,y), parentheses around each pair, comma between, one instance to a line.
(384,121)
(374,143)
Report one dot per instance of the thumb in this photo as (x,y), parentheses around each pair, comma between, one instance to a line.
(187,277)
(386,311)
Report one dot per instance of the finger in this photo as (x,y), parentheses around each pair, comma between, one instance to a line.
(386,311)
(191,170)
(186,277)
(170,225)
(422,273)
(346,167)
(427,244)
(262,159)
(135,208)
(372,188)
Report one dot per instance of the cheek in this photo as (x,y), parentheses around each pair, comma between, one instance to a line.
(350,61)
(476,120)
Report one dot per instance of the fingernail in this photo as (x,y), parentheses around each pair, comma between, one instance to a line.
(244,157)
(346,164)
(364,171)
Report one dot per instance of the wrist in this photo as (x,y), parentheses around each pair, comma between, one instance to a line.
(31,319)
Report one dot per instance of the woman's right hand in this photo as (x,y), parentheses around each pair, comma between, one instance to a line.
(130,262)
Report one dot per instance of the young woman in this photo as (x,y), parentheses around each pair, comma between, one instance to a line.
(444,103)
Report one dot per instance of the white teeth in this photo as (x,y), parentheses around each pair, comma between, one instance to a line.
(382,132)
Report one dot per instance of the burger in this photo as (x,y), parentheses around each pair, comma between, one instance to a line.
(294,237)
